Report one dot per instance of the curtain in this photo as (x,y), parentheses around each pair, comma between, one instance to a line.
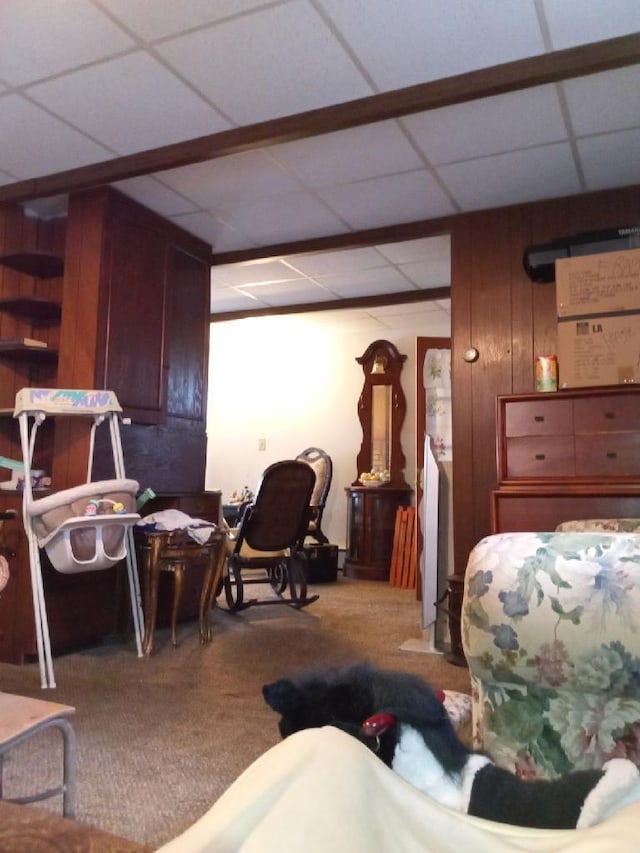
(437,385)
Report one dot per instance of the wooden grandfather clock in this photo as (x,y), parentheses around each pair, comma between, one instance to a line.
(380,487)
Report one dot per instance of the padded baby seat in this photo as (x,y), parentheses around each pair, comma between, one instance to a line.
(84,528)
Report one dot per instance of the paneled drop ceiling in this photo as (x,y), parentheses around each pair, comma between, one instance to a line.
(86,82)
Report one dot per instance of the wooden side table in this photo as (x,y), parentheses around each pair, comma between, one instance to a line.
(172,551)
(22,718)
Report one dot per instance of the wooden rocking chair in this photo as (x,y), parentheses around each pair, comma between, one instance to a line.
(267,545)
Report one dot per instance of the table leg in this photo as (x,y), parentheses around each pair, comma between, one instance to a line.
(215,567)
(178,578)
(152,579)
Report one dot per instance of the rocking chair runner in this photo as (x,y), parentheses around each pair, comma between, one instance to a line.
(267,545)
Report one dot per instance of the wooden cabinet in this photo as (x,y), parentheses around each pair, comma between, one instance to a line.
(371,518)
(131,322)
(568,455)
(138,291)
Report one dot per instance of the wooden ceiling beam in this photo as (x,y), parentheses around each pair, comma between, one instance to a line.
(349,240)
(482,83)
(337,304)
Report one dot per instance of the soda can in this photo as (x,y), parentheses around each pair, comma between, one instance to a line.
(546,373)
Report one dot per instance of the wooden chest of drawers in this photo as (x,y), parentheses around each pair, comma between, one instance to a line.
(567,455)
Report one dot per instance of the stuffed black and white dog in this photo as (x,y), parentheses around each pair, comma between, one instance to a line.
(404,721)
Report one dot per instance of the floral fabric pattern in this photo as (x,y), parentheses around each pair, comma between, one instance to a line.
(437,384)
(551,632)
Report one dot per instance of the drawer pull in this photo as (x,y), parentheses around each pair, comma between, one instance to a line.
(540,456)
(538,418)
(611,454)
(610,415)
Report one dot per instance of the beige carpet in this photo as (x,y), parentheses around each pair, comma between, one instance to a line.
(160,738)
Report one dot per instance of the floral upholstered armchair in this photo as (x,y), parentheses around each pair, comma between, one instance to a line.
(551,633)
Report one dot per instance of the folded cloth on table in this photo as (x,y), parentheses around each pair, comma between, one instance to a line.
(173,519)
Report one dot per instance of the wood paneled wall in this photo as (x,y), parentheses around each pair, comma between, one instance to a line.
(510,320)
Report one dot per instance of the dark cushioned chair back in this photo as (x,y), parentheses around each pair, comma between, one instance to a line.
(278,518)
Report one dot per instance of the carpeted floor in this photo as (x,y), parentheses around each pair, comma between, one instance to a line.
(160,738)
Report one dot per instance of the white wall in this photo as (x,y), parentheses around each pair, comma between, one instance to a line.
(294,381)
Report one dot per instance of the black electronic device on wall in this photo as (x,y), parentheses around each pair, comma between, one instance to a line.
(539,261)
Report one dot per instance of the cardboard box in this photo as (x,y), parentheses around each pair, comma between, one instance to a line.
(599,350)
(598,284)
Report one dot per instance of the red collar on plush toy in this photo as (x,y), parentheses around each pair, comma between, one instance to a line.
(579,799)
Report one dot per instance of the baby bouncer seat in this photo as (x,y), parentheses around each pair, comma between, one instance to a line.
(84,528)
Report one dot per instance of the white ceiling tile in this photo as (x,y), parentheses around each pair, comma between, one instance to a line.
(289,217)
(405,42)
(154,194)
(366,282)
(489,125)
(226,299)
(337,262)
(390,200)
(519,176)
(290,293)
(222,237)
(168,18)
(611,160)
(130,104)
(603,102)
(426,248)
(65,148)
(276,62)
(571,23)
(427,275)
(230,181)
(251,272)
(350,155)
(256,59)
(58,38)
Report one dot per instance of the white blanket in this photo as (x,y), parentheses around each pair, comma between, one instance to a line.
(321,791)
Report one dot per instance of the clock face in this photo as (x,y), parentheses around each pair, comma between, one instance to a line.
(470,354)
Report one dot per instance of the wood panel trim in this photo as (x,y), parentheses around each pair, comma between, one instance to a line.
(482,83)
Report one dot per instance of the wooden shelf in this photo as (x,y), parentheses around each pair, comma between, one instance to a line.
(34,308)
(37,264)
(26,353)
